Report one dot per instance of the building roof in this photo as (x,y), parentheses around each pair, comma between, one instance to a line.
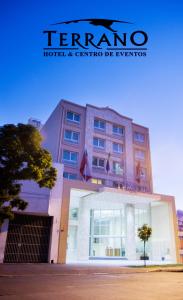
(102,108)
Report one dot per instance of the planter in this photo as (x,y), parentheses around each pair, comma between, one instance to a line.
(144,257)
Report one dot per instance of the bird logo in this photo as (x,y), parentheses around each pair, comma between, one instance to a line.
(107,23)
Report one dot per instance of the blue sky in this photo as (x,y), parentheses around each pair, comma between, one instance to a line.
(147,89)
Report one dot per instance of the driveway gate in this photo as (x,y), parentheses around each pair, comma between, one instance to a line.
(28,239)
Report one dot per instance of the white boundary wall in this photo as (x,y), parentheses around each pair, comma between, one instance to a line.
(41,202)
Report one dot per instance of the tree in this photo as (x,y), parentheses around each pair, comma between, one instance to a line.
(144,234)
(21,158)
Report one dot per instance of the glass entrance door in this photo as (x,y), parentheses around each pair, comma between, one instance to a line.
(107,233)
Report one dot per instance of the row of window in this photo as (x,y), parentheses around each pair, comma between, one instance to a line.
(99,181)
(72,157)
(117,167)
(73,137)
(98,124)
(100,144)
(73,176)
(101,125)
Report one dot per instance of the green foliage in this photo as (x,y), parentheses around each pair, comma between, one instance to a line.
(21,158)
(144,232)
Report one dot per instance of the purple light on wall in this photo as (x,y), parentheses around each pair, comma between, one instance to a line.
(180,219)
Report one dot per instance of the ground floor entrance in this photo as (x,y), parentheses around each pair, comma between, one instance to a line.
(104,226)
(107,233)
(28,239)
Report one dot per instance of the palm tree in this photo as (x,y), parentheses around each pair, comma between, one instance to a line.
(144,234)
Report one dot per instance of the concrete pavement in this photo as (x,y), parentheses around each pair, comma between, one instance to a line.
(71,269)
(66,285)
(60,269)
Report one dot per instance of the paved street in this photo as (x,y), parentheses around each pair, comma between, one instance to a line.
(27,282)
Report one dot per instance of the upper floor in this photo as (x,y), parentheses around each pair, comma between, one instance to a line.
(106,135)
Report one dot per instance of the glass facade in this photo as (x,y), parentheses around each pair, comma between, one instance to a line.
(107,233)
(142,216)
(104,226)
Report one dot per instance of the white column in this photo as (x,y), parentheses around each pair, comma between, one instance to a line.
(129,151)
(130,232)
(83,232)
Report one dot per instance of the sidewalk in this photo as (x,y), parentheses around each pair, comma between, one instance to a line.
(79,269)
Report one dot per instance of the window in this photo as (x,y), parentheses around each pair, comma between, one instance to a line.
(107,233)
(71,176)
(116,129)
(97,181)
(117,168)
(73,117)
(139,154)
(139,137)
(99,124)
(73,214)
(98,162)
(71,136)
(69,156)
(98,143)
(117,148)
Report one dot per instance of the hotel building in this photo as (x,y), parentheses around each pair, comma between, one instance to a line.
(98,219)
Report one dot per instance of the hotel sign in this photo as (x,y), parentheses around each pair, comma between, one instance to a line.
(60,43)
(129,186)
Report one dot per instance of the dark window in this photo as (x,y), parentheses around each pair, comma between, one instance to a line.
(71,176)
(98,162)
(99,124)
(73,117)
(71,136)
(118,129)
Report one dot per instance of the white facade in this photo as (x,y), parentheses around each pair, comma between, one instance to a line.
(121,213)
